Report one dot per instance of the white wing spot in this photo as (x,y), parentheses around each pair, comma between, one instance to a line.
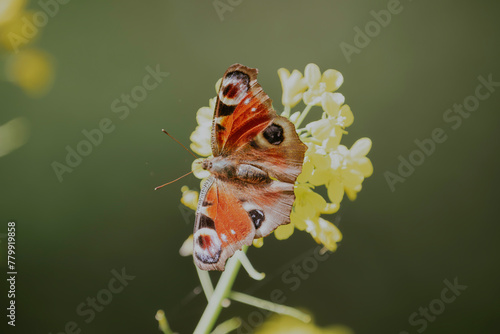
(224,237)
(253,109)
(247,101)
(232,231)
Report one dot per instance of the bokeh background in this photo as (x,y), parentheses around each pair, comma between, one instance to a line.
(398,247)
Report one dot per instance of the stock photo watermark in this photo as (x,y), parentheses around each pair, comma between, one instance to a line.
(225,6)
(11,273)
(121,107)
(453,118)
(92,305)
(292,278)
(363,37)
(32,23)
(436,307)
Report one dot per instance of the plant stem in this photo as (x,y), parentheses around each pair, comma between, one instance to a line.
(162,322)
(227,326)
(303,115)
(221,291)
(286,112)
(245,262)
(206,282)
(270,306)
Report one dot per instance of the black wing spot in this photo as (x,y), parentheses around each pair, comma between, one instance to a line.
(219,127)
(224,109)
(206,222)
(206,203)
(257,217)
(274,134)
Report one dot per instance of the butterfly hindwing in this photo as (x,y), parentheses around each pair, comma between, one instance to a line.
(222,226)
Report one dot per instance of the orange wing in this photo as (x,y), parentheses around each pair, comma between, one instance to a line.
(222,226)
(243,110)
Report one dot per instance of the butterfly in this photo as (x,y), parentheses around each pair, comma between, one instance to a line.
(257,156)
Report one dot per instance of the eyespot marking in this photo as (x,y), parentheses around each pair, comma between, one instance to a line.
(257,217)
(207,245)
(274,134)
(233,89)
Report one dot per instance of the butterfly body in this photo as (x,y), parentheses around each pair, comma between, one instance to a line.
(257,156)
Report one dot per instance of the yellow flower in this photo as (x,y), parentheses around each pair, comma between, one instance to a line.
(200,138)
(327,163)
(282,324)
(9,9)
(13,32)
(32,70)
(319,84)
(189,198)
(293,86)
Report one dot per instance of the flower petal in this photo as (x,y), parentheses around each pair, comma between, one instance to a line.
(284,231)
(361,147)
(312,75)
(333,80)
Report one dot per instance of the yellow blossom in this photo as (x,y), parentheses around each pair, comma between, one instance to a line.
(189,198)
(293,86)
(319,84)
(32,70)
(199,142)
(9,9)
(282,324)
(13,34)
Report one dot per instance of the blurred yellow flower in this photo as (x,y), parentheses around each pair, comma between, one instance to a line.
(18,31)
(13,135)
(9,9)
(32,70)
(327,163)
(282,324)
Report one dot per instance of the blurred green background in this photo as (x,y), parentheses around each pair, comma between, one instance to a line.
(398,247)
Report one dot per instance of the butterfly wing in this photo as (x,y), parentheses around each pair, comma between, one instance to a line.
(222,226)
(242,110)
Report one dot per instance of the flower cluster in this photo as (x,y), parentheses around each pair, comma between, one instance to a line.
(327,163)
(27,67)
(21,64)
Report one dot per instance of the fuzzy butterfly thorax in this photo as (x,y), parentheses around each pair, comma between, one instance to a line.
(257,156)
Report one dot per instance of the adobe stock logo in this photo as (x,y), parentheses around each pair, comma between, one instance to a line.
(95,137)
(223,6)
(436,306)
(372,29)
(94,305)
(453,118)
(31,24)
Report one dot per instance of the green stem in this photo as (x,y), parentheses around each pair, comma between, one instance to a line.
(162,322)
(245,262)
(303,115)
(221,291)
(227,326)
(206,282)
(270,306)
(286,112)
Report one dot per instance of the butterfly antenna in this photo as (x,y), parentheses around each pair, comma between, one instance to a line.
(178,142)
(177,179)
